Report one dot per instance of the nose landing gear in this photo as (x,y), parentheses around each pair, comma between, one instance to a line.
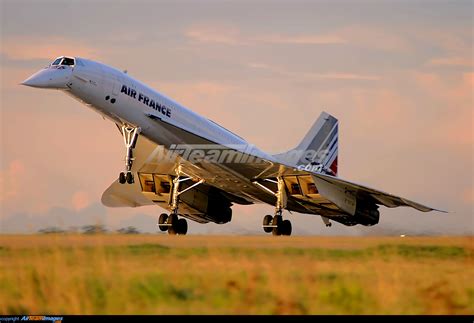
(130,136)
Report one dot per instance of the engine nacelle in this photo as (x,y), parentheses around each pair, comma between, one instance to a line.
(367,214)
(215,207)
(218,212)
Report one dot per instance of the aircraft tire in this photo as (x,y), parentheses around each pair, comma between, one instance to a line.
(122,178)
(286,228)
(182,226)
(277,220)
(267,219)
(173,220)
(130,179)
(162,220)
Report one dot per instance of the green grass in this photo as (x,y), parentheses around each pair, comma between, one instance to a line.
(409,251)
(147,274)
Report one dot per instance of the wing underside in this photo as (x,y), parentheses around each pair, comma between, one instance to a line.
(244,183)
(379,197)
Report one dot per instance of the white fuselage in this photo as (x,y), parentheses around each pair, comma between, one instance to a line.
(126,100)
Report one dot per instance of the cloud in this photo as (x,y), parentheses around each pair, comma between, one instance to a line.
(30,48)
(234,37)
(376,37)
(451,61)
(262,66)
(309,39)
(343,76)
(455,46)
(455,89)
(220,35)
(455,40)
(311,76)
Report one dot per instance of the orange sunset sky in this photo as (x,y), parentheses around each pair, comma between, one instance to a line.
(397,74)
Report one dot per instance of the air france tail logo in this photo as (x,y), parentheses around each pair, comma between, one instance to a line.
(146,100)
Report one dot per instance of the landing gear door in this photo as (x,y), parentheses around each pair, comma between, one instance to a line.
(341,196)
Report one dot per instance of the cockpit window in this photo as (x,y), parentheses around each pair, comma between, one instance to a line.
(63,61)
(56,62)
(67,61)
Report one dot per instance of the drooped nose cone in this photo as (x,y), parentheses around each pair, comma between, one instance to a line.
(49,78)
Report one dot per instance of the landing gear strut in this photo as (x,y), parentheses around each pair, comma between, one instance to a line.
(130,136)
(172,223)
(275,224)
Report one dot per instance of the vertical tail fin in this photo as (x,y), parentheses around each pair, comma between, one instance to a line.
(318,150)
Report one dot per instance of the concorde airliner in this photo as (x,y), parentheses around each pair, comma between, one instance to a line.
(197,169)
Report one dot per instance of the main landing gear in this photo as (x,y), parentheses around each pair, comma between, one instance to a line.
(172,223)
(275,224)
(326,221)
(130,136)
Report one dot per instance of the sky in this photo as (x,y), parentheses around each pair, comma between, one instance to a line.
(397,74)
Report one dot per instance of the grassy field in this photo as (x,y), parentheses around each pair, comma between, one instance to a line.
(159,274)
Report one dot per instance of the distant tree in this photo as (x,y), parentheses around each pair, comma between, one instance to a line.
(94,229)
(49,230)
(128,230)
(73,229)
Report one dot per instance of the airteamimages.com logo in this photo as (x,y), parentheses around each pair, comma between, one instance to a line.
(55,319)
(236,154)
(211,153)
